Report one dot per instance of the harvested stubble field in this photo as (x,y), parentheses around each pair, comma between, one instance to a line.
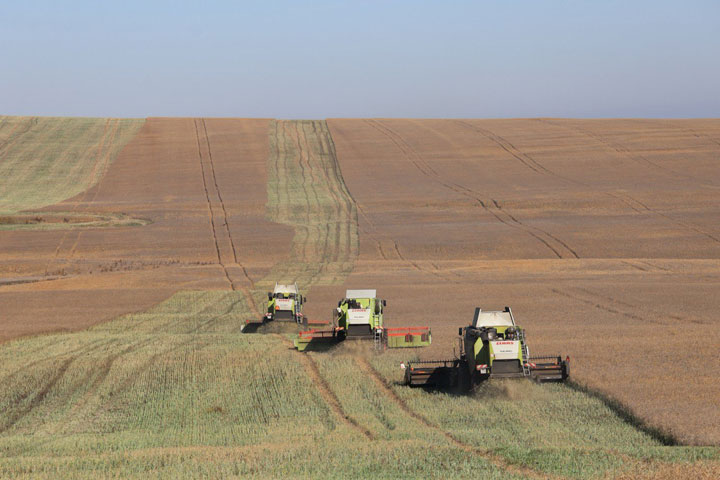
(602,236)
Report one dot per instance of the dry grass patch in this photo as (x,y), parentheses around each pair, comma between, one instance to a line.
(45,160)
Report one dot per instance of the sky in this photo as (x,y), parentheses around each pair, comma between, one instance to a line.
(391,58)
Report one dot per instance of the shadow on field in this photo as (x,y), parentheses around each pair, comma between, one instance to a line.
(515,389)
(324,347)
(503,389)
(271,327)
(626,415)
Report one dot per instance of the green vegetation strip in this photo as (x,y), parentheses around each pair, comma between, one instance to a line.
(306,191)
(44,160)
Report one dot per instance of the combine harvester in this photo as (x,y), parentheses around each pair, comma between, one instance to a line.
(493,346)
(359,316)
(284,305)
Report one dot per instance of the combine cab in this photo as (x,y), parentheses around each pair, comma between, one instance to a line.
(360,316)
(493,346)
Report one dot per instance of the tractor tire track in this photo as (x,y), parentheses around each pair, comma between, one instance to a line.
(226,222)
(218,216)
(527,160)
(205,326)
(501,215)
(369,232)
(625,152)
(288,155)
(492,458)
(636,267)
(419,268)
(635,204)
(652,265)
(148,364)
(603,307)
(51,358)
(37,399)
(645,266)
(210,209)
(635,307)
(101,375)
(38,396)
(332,401)
(513,222)
(685,225)
(558,240)
(513,151)
(694,133)
(248,284)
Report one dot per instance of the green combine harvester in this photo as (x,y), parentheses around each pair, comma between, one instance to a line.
(359,316)
(493,346)
(285,304)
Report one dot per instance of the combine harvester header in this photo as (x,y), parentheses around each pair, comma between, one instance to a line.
(493,346)
(360,316)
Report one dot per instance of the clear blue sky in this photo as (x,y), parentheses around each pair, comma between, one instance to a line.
(393,58)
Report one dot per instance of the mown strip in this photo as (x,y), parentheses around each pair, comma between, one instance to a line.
(306,191)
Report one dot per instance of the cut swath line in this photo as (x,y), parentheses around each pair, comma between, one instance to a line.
(625,198)
(226,223)
(635,307)
(210,209)
(625,152)
(609,309)
(494,459)
(501,215)
(503,143)
(326,392)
